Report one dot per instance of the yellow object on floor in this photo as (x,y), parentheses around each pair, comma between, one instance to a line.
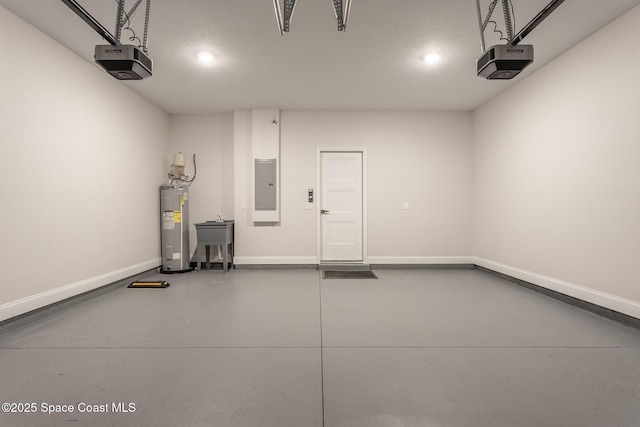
(162,284)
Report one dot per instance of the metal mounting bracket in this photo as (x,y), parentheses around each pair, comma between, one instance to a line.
(340,7)
(508,22)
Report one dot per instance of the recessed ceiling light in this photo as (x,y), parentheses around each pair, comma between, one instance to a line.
(205,57)
(432,58)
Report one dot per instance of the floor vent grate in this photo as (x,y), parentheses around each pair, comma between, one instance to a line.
(348,274)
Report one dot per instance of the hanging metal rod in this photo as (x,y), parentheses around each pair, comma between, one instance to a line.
(342,8)
(346,14)
(146,25)
(93,23)
(122,17)
(536,21)
(133,9)
(483,25)
(276,7)
(508,23)
(337,7)
(289,7)
(284,20)
(119,19)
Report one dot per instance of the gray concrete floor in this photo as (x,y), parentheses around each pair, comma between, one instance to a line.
(430,348)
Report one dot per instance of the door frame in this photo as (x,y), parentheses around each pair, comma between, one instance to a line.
(365,227)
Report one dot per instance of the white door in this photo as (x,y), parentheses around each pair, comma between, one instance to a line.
(341,206)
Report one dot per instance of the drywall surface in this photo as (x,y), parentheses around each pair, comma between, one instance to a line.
(421,158)
(83,158)
(210,138)
(556,170)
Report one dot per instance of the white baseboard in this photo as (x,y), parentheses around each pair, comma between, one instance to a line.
(274,260)
(34,302)
(417,260)
(293,260)
(612,302)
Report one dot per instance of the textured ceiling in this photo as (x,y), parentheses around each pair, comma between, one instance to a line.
(374,65)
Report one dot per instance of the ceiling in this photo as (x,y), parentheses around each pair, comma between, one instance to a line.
(374,65)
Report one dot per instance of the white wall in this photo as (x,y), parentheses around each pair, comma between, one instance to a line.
(423,158)
(557,173)
(210,137)
(541,183)
(82,160)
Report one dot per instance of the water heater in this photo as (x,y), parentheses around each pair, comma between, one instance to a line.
(174,211)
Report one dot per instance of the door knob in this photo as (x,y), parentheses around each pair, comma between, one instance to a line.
(324,212)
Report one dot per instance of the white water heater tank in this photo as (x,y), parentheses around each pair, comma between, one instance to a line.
(174,218)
